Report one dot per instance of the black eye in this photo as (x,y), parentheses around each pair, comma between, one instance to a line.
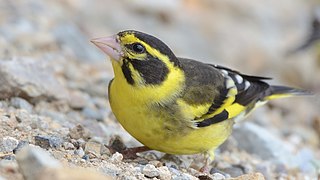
(138,48)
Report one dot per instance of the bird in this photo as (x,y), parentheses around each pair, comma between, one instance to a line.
(177,105)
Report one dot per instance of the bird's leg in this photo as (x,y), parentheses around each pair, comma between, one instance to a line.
(209,157)
(205,168)
(116,145)
(129,153)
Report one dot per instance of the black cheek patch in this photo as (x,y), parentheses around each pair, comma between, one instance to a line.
(152,70)
(127,72)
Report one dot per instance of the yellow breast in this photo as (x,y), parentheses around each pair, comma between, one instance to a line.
(155,127)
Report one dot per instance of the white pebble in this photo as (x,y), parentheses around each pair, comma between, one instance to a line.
(116,157)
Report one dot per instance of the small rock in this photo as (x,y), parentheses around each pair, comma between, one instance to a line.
(78,132)
(234,171)
(85,157)
(184,176)
(218,176)
(68,146)
(110,169)
(164,173)
(117,144)
(105,151)
(204,177)
(150,171)
(93,147)
(20,103)
(32,161)
(255,176)
(79,152)
(8,144)
(116,157)
(48,142)
(21,145)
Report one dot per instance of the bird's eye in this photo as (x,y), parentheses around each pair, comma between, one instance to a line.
(138,48)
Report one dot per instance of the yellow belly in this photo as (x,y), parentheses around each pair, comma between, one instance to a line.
(151,128)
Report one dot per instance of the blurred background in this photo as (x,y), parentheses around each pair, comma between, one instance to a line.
(275,38)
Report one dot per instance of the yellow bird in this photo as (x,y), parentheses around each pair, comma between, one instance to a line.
(177,105)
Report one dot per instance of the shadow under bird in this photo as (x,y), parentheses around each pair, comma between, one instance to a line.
(177,105)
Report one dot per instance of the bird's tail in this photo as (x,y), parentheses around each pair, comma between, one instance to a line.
(276,92)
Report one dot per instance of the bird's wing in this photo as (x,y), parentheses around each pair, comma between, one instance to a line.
(217,93)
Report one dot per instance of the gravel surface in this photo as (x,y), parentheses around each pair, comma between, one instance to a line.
(55,119)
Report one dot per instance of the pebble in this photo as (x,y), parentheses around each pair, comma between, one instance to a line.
(32,161)
(164,173)
(93,148)
(68,146)
(255,176)
(20,103)
(8,144)
(21,145)
(48,142)
(233,171)
(80,152)
(218,176)
(116,157)
(78,132)
(184,176)
(110,169)
(150,171)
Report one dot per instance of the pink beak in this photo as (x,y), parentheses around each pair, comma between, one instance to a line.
(110,46)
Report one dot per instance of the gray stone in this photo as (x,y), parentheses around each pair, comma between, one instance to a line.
(218,176)
(20,103)
(8,144)
(68,146)
(150,171)
(21,145)
(116,157)
(79,152)
(233,171)
(48,142)
(93,147)
(78,132)
(29,79)
(110,169)
(257,140)
(32,161)
(184,176)
(164,173)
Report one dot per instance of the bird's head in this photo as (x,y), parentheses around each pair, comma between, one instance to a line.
(142,57)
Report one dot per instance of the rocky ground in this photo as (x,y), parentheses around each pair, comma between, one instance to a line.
(55,120)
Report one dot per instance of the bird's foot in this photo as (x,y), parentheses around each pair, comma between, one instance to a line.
(116,145)
(205,169)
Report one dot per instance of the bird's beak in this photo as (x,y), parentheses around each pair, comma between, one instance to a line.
(109,45)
